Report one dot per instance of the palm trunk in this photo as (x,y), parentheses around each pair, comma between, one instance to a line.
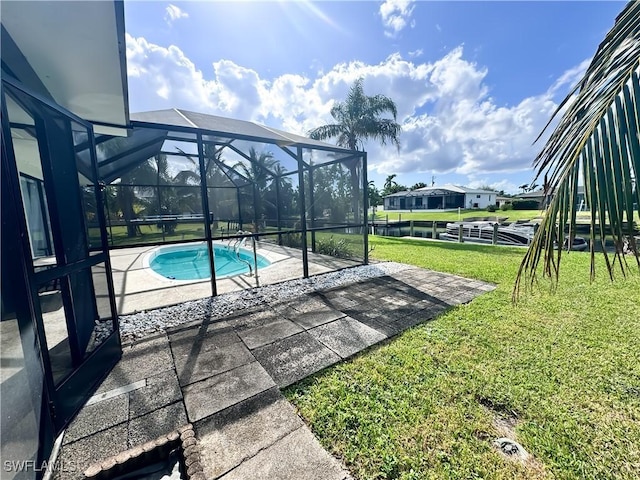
(126,196)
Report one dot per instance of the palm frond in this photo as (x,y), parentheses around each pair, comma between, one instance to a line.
(243,169)
(358,119)
(596,139)
(325,132)
(379,104)
(186,177)
(384,130)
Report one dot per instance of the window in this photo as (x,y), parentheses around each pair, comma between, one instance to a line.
(418,201)
(477,196)
(35,203)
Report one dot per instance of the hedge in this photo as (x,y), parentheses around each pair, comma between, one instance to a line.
(525,204)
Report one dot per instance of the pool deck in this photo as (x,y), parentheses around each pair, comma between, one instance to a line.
(137,288)
(224,375)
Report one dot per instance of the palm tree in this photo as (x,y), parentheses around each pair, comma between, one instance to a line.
(390,182)
(128,193)
(391,186)
(374,195)
(125,192)
(260,172)
(358,119)
(222,198)
(260,168)
(212,157)
(597,138)
(286,200)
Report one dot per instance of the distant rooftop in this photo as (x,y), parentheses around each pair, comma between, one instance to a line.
(440,190)
(540,193)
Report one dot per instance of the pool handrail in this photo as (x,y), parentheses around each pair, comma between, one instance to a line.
(241,237)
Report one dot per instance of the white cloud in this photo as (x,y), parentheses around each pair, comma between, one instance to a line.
(416,53)
(570,78)
(173,13)
(466,131)
(450,123)
(395,16)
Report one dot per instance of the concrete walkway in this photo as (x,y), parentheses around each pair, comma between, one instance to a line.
(224,376)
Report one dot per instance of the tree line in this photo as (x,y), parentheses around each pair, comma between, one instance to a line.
(253,192)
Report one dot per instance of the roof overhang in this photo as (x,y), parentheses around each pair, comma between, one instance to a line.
(425,192)
(72,52)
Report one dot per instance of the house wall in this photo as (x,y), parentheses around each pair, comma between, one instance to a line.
(425,202)
(455,200)
(390,203)
(500,201)
(479,200)
(402,203)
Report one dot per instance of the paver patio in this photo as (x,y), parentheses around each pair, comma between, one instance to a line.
(224,375)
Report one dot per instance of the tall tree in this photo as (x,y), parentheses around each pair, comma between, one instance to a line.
(359,118)
(279,195)
(391,186)
(260,172)
(597,138)
(390,182)
(375,198)
(125,193)
(220,180)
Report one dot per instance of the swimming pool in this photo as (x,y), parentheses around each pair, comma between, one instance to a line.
(191,262)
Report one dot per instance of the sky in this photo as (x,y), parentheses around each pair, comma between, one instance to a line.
(474,82)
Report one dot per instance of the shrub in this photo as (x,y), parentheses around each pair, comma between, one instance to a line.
(491,208)
(506,206)
(526,205)
(293,240)
(339,248)
(167,226)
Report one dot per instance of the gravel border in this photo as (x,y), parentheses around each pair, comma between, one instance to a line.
(148,322)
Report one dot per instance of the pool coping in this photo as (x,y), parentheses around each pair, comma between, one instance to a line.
(138,288)
(148,258)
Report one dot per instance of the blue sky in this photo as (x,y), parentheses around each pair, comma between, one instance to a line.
(474,82)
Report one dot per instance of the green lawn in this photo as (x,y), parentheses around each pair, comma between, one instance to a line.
(563,368)
(148,234)
(350,245)
(512,215)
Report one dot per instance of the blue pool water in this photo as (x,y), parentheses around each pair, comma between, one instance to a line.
(191,262)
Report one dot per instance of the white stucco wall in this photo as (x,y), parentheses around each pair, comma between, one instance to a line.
(484,200)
